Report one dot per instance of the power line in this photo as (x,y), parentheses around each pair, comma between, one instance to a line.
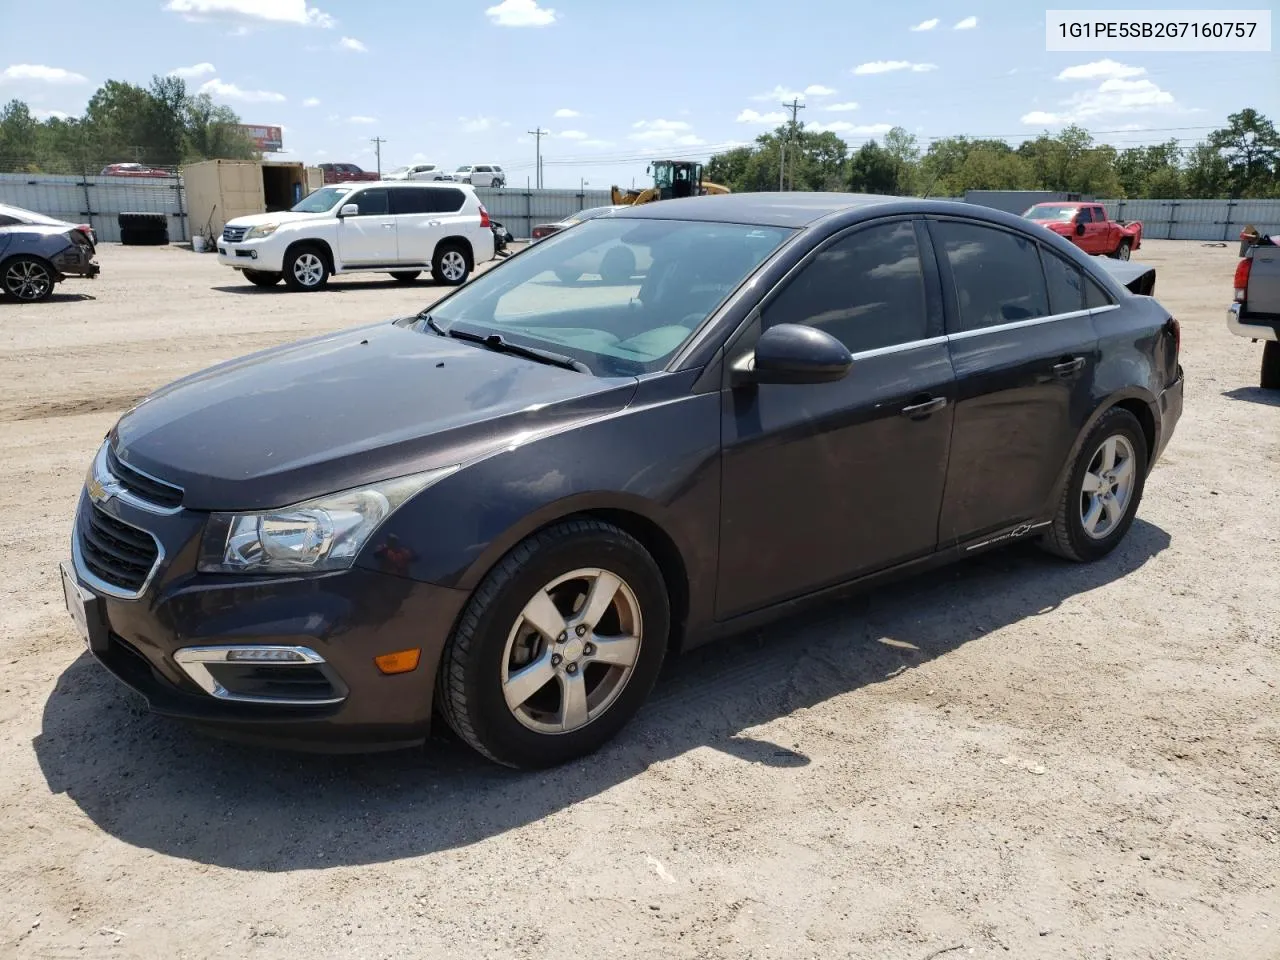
(538,135)
(794,106)
(377,147)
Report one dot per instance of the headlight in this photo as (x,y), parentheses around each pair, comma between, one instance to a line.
(262,230)
(321,534)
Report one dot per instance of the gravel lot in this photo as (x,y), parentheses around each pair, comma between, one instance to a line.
(1014,757)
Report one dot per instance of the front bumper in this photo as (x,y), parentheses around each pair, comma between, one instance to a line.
(1253,329)
(340,701)
(250,256)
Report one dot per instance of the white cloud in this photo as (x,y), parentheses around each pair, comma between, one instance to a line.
(1100,70)
(890,66)
(841,107)
(475,124)
(671,132)
(51,114)
(818,90)
(968,23)
(780,93)
(260,11)
(311,102)
(843,126)
(321,153)
(564,113)
(521,13)
(597,143)
(359,118)
(229,91)
(193,72)
(573,135)
(751,116)
(926,24)
(38,71)
(351,43)
(1115,96)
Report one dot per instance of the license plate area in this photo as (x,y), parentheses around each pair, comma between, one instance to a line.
(84,608)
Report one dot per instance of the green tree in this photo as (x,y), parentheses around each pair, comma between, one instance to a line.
(904,150)
(1251,147)
(213,131)
(19,134)
(1207,173)
(873,169)
(1137,166)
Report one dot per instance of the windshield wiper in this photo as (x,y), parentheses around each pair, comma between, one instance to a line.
(431,322)
(495,341)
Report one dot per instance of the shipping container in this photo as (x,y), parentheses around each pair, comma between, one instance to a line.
(221,190)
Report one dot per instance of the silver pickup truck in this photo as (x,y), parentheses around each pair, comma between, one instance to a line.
(1255,312)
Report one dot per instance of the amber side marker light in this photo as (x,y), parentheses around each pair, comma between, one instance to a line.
(402,661)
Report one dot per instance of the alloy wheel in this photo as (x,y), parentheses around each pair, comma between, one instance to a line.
(571,651)
(308,269)
(27,280)
(1107,487)
(453,265)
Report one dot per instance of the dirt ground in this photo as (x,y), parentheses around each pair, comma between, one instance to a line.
(1015,757)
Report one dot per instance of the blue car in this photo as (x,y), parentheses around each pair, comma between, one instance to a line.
(37,252)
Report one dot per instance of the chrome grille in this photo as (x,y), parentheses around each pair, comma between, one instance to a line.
(118,554)
(234,234)
(142,485)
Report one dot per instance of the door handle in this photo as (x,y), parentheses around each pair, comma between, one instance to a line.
(388,226)
(924,408)
(1067,367)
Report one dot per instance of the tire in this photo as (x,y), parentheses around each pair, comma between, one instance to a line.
(406,276)
(1271,365)
(263,278)
(450,266)
(498,183)
(306,269)
(493,641)
(27,279)
(1069,535)
(1125,250)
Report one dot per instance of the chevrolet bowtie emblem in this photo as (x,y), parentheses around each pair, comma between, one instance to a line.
(99,491)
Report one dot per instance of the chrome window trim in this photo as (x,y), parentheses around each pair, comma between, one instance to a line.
(111,486)
(193,662)
(1034,321)
(898,348)
(102,586)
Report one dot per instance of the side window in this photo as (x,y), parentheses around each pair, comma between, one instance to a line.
(482,169)
(1085,215)
(7,221)
(1095,296)
(866,290)
(409,200)
(446,200)
(1066,283)
(372,203)
(1099,215)
(997,274)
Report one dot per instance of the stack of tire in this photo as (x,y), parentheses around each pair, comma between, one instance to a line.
(143,229)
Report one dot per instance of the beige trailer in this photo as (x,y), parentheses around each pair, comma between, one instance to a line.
(221,190)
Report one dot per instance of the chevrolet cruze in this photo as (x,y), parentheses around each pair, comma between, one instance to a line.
(507,510)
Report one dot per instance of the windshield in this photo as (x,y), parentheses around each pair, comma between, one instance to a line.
(1051,211)
(619,294)
(463,170)
(400,170)
(320,201)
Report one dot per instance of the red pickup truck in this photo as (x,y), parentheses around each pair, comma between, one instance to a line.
(1086,225)
(345,173)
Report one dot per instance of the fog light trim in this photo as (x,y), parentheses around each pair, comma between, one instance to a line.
(194,660)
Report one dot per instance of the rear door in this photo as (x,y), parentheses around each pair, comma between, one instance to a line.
(1023,364)
(824,482)
(369,237)
(419,226)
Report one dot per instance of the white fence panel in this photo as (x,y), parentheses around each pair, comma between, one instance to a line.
(98,200)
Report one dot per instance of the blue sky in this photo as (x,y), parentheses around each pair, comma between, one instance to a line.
(462,81)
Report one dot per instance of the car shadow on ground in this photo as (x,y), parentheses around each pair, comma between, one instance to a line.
(1270,398)
(56,298)
(333,286)
(155,784)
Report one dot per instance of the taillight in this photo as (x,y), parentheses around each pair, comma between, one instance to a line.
(1242,278)
(484,216)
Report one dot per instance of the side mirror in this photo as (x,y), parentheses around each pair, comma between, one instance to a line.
(349,210)
(793,353)
(1079,229)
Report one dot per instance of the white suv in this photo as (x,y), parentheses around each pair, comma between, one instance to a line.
(481,175)
(418,171)
(397,228)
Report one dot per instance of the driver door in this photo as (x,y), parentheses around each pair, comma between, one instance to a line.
(369,237)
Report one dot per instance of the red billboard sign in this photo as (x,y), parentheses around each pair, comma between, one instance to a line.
(266,139)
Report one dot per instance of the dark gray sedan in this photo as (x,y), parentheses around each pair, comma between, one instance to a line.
(37,252)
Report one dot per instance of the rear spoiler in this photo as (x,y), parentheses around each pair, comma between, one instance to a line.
(1139,278)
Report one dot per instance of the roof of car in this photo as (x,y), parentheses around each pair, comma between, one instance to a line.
(761,209)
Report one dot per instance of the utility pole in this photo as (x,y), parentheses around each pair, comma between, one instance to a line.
(794,106)
(377,146)
(538,135)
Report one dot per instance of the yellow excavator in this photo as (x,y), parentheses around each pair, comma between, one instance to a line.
(671,179)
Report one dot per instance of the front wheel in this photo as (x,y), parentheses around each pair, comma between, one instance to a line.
(1103,491)
(1271,365)
(1125,250)
(558,647)
(27,279)
(305,269)
(450,265)
(262,278)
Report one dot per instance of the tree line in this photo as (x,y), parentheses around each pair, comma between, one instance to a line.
(160,125)
(1242,159)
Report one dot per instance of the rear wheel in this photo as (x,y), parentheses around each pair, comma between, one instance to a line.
(1271,365)
(262,278)
(450,265)
(1103,491)
(558,647)
(27,279)
(305,269)
(406,276)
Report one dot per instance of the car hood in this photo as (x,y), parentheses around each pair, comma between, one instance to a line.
(339,411)
(284,216)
